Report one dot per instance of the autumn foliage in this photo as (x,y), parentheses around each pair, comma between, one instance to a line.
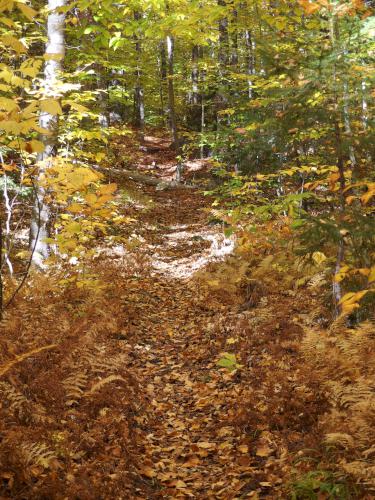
(187,269)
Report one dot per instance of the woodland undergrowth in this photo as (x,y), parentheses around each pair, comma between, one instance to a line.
(295,388)
(71,415)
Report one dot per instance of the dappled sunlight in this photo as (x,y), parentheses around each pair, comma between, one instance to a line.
(216,247)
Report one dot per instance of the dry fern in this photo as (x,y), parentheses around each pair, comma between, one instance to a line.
(340,440)
(99,385)
(16,400)
(74,386)
(19,405)
(36,454)
(345,359)
(345,396)
(318,280)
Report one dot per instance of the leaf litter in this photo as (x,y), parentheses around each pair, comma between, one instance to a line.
(161,386)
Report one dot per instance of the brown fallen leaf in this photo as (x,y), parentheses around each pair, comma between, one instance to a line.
(206,445)
(192,461)
(263,450)
(148,472)
(177,483)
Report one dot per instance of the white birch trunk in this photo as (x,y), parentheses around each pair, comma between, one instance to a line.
(55,51)
(171,95)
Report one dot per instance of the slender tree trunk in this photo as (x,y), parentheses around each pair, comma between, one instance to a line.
(223,40)
(364,106)
(139,105)
(336,286)
(102,96)
(223,60)
(195,118)
(163,78)
(171,92)
(250,45)
(1,270)
(233,58)
(55,46)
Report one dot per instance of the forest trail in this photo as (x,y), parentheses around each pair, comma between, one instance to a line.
(192,450)
(183,372)
(195,445)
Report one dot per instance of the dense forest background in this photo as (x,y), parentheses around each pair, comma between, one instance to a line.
(119,123)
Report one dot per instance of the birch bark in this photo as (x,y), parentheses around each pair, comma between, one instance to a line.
(54,55)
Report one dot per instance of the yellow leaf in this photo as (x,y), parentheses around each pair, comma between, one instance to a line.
(349,308)
(108,189)
(27,11)
(104,199)
(263,450)
(5,20)
(148,472)
(371,277)
(77,107)
(206,445)
(350,199)
(232,340)
(10,126)
(367,196)
(243,448)
(91,199)
(99,157)
(73,228)
(31,67)
(8,104)
(309,7)
(318,258)
(75,208)
(180,484)
(51,106)
(30,110)
(36,146)
(352,297)
(11,41)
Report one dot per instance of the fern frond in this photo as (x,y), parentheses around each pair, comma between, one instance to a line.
(318,280)
(347,396)
(339,439)
(99,385)
(37,454)
(74,386)
(16,400)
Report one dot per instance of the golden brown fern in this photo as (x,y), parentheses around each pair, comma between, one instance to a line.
(19,405)
(36,454)
(74,386)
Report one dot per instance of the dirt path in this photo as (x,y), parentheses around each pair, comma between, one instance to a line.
(194,447)
(192,451)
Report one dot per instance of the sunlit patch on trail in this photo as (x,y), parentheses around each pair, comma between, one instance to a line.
(184,252)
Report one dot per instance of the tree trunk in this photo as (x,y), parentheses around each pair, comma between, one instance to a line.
(250,45)
(139,105)
(163,78)
(102,96)
(195,118)
(55,46)
(233,58)
(223,59)
(171,93)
